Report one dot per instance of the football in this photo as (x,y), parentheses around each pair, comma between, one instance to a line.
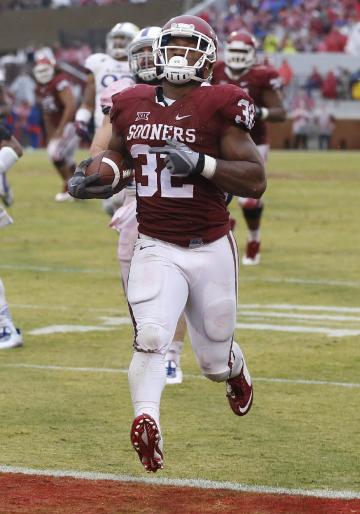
(112,169)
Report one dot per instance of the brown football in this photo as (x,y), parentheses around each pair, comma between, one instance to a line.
(112,169)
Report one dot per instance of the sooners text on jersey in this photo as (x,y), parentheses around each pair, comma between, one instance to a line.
(182,210)
(254,81)
(48,96)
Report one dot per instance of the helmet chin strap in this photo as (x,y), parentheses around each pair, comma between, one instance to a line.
(175,72)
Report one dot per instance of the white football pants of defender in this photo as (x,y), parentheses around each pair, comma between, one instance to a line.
(165,280)
(125,222)
(251,203)
(63,149)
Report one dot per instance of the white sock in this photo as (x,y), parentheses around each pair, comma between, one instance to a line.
(254,235)
(147,380)
(174,352)
(8,158)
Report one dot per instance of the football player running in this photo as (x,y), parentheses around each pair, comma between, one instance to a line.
(10,152)
(103,69)
(188,145)
(58,106)
(263,84)
(10,148)
(141,62)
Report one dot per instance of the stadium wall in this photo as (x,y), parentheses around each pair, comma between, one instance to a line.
(22,28)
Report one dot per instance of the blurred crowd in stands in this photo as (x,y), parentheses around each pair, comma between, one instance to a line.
(289,26)
(336,84)
(286,26)
(55,4)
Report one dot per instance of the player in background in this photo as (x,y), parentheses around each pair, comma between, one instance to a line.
(188,144)
(103,69)
(263,84)
(141,62)
(10,336)
(58,106)
(10,148)
(10,152)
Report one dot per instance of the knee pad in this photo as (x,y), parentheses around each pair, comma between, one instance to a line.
(152,338)
(218,377)
(219,319)
(229,365)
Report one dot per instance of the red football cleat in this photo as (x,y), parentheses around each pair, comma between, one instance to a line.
(239,392)
(146,439)
(252,254)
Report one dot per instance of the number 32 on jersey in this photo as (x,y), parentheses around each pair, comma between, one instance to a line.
(149,164)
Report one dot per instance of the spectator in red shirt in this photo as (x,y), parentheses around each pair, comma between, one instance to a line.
(286,73)
(329,87)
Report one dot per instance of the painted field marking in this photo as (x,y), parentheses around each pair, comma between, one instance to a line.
(280,306)
(300,381)
(178,482)
(101,271)
(272,314)
(298,307)
(330,332)
(111,325)
(68,329)
(67,308)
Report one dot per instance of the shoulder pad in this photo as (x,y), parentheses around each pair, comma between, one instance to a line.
(94,61)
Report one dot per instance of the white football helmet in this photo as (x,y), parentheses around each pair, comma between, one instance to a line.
(44,68)
(240,50)
(172,61)
(141,58)
(118,39)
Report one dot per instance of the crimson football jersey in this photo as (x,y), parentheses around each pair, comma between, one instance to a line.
(254,81)
(190,210)
(48,96)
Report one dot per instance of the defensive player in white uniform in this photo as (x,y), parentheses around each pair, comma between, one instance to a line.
(10,151)
(103,69)
(189,145)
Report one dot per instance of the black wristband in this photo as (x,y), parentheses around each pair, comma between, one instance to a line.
(200,165)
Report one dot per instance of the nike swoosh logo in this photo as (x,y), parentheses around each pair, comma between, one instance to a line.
(178,118)
(244,409)
(144,247)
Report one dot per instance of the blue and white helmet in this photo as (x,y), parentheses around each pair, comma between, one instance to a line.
(141,59)
(119,38)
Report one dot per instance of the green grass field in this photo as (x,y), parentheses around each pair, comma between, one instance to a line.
(59,266)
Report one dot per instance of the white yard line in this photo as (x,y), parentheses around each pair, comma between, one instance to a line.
(304,281)
(101,271)
(65,308)
(51,269)
(300,381)
(190,482)
(298,307)
(328,331)
(242,307)
(284,315)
